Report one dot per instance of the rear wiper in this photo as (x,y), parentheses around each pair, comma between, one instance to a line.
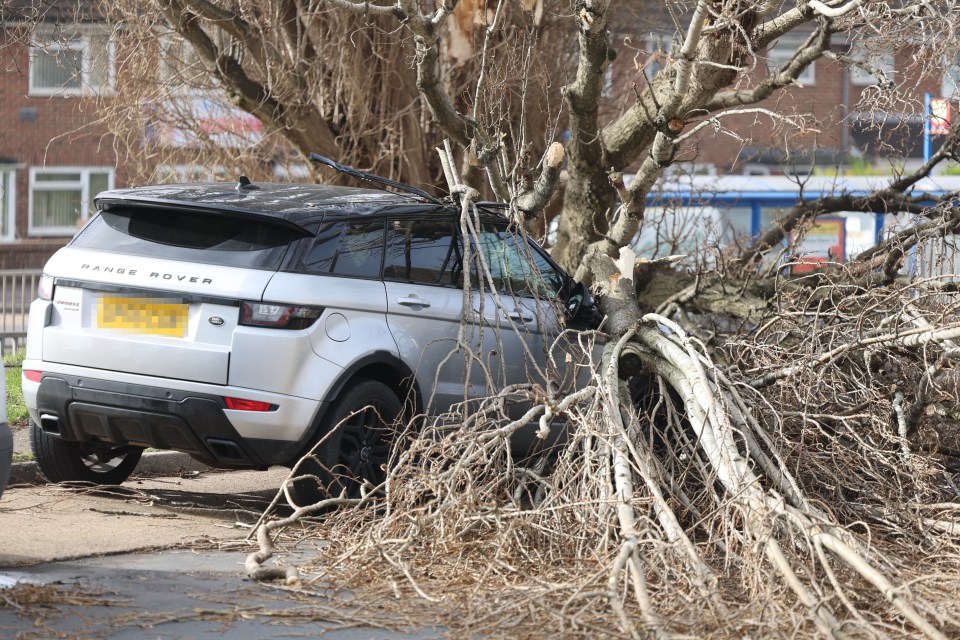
(375,179)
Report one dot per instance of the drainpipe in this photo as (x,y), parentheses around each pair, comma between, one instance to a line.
(844,110)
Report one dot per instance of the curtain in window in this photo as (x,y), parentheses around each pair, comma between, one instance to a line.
(98,182)
(6,184)
(53,209)
(57,68)
(5,180)
(99,62)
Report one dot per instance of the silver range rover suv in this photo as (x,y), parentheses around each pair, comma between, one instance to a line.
(242,323)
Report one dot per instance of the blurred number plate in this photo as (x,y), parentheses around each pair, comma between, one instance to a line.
(153,316)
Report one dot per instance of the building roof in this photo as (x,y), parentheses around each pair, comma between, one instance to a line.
(733,188)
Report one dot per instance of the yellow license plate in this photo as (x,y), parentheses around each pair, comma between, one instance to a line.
(152,316)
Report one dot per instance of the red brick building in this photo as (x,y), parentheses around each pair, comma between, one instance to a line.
(825,97)
(53,157)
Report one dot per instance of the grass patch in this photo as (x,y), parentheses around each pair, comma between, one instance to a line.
(14,359)
(17,414)
(22,457)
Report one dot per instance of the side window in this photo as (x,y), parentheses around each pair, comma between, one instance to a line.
(516,267)
(347,249)
(423,251)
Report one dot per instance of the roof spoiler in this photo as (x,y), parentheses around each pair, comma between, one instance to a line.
(372,178)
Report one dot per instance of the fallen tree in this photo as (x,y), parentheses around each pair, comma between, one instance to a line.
(757,451)
(791,472)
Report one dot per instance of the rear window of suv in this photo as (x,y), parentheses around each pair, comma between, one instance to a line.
(189,236)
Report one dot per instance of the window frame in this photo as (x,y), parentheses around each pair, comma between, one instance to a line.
(885,61)
(606,90)
(454,234)
(950,80)
(173,75)
(86,198)
(658,47)
(47,42)
(190,173)
(303,267)
(8,202)
(776,58)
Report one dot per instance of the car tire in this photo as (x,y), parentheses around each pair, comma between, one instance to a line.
(65,461)
(6,451)
(356,452)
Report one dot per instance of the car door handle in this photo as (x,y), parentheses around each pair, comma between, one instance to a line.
(413,301)
(520,317)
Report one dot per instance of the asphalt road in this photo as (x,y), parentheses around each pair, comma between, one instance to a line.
(156,558)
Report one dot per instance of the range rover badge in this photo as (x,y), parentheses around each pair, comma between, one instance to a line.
(216,321)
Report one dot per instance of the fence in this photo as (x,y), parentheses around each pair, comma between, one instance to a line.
(17,290)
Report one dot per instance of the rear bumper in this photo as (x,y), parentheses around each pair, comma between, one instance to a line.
(84,409)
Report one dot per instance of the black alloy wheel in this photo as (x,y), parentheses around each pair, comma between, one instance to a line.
(65,461)
(362,426)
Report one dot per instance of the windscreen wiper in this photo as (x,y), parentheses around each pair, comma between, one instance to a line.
(375,179)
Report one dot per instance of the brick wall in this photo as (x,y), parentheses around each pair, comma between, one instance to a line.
(44,132)
(28,254)
(820,102)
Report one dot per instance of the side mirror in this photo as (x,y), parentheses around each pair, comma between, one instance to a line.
(581,308)
(574,299)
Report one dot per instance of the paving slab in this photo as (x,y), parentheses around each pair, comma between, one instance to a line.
(178,594)
(50,523)
(71,566)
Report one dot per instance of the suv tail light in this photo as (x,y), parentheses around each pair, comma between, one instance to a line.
(277,316)
(45,287)
(240,404)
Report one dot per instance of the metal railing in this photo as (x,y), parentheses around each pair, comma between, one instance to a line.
(18,288)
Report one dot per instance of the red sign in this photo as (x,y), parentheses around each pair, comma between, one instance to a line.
(824,242)
(940,111)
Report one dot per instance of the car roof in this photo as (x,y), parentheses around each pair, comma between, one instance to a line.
(303,205)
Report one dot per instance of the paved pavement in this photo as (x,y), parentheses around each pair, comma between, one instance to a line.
(158,557)
(46,523)
(173,594)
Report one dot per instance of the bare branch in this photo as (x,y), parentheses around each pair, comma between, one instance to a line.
(831,11)
(891,199)
(816,46)
(532,202)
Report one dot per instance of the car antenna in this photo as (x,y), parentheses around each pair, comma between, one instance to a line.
(375,179)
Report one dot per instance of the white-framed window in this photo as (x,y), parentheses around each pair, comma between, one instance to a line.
(782,51)
(606,90)
(8,202)
(657,47)
(883,62)
(182,173)
(61,198)
(950,83)
(72,65)
(686,169)
(181,67)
